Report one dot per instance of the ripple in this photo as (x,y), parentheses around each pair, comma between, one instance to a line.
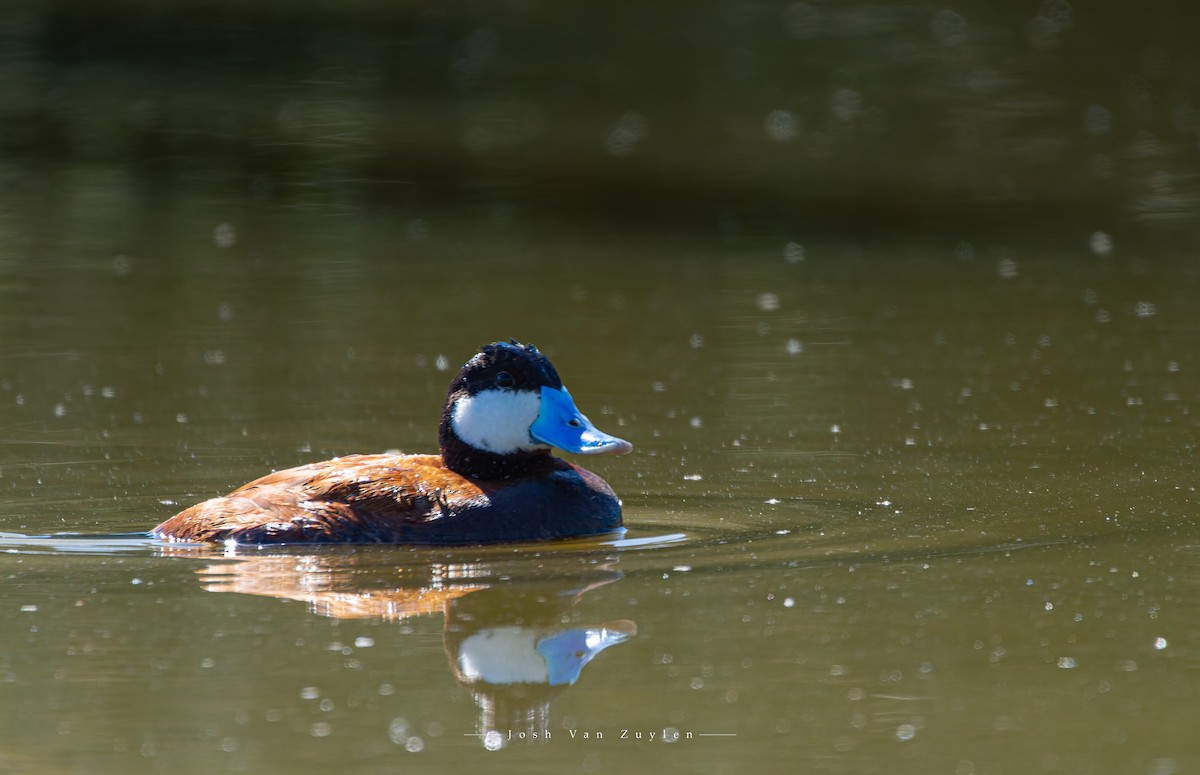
(77,543)
(724,534)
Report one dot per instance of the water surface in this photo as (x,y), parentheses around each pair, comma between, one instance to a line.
(897,307)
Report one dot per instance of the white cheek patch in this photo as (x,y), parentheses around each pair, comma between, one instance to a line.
(503,655)
(497,420)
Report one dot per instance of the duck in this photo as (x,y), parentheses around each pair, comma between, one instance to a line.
(496,479)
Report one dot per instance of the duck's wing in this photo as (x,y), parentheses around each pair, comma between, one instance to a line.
(329,585)
(354,499)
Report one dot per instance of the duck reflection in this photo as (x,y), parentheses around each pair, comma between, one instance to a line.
(504,637)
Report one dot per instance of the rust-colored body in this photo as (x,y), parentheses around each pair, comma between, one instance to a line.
(411,499)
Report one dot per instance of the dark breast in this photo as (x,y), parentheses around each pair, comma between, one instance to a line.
(407,499)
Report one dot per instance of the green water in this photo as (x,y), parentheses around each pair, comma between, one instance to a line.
(910,370)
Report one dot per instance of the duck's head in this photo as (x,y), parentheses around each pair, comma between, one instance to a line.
(513,654)
(507,408)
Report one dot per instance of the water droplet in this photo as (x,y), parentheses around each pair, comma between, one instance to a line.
(625,136)
(793,252)
(767,302)
(949,28)
(417,230)
(1100,243)
(1097,120)
(846,105)
(782,126)
(803,20)
(225,235)
(398,730)
(1160,644)
(906,732)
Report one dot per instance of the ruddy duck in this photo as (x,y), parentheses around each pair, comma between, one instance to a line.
(494,481)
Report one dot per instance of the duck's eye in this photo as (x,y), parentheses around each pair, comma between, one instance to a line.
(505,380)
(574,423)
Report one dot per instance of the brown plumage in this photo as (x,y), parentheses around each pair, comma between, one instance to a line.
(316,502)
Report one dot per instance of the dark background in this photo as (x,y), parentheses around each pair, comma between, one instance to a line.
(719,118)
